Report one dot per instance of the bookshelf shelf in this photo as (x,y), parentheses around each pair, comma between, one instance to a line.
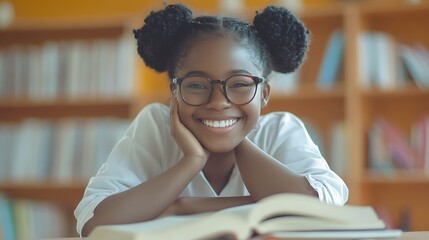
(13,110)
(42,31)
(322,12)
(65,194)
(409,91)
(394,9)
(397,177)
(311,91)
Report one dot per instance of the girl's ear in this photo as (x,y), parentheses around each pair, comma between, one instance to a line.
(173,90)
(172,86)
(172,97)
(265,95)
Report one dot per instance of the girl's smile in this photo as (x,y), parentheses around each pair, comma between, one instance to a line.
(220,123)
(224,126)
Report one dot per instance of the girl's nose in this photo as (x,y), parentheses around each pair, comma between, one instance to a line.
(218,100)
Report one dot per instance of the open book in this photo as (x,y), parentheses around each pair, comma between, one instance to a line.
(282,215)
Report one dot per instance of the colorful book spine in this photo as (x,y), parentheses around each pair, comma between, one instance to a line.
(331,61)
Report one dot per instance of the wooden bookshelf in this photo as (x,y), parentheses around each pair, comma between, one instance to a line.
(14,109)
(346,102)
(398,191)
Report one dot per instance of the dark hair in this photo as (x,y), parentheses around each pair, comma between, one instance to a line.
(277,39)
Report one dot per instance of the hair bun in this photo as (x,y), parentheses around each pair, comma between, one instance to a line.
(286,37)
(155,36)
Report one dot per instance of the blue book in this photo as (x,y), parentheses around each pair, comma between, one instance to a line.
(7,227)
(331,61)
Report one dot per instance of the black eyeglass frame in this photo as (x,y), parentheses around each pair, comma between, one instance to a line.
(222,82)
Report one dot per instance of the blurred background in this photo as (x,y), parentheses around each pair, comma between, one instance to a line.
(71,82)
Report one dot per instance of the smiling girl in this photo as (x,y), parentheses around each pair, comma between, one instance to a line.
(210,149)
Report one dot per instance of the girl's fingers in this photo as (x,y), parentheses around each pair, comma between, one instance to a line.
(173,113)
(176,124)
(173,110)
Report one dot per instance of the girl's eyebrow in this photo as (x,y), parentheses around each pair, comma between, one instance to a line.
(202,73)
(195,73)
(238,71)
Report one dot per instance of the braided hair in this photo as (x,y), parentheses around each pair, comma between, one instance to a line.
(277,39)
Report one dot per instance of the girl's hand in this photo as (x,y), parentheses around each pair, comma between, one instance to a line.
(191,147)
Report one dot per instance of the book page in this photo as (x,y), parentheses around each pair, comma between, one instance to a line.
(358,234)
(298,223)
(200,226)
(309,210)
(242,211)
(143,229)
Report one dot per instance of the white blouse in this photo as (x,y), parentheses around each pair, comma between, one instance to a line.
(148,149)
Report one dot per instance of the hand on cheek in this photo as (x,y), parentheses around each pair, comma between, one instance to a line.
(191,147)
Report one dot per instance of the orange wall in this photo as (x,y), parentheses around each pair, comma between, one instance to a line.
(66,9)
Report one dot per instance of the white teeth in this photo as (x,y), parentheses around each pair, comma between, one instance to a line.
(219,124)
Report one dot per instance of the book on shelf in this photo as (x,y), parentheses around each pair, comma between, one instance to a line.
(379,63)
(283,82)
(26,219)
(416,65)
(2,74)
(64,150)
(284,214)
(72,69)
(390,149)
(387,64)
(423,54)
(420,142)
(331,61)
(385,67)
(333,146)
(6,143)
(6,219)
(339,148)
(315,135)
(378,154)
(365,59)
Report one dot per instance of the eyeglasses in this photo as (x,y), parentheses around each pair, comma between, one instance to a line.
(238,89)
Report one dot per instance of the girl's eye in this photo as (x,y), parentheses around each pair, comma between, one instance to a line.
(195,83)
(239,85)
(196,86)
(240,82)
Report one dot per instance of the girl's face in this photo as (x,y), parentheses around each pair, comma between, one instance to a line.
(218,57)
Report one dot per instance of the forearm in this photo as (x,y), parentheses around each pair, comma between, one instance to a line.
(265,176)
(194,205)
(145,201)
